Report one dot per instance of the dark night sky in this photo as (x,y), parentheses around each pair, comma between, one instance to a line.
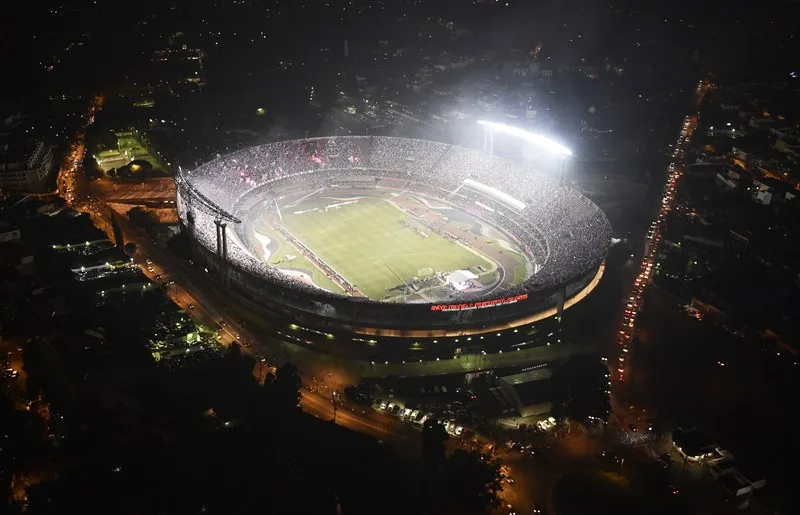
(743,38)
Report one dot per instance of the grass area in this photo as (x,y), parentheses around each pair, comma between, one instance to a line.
(515,254)
(114,158)
(367,243)
(487,279)
(520,270)
(300,262)
(520,273)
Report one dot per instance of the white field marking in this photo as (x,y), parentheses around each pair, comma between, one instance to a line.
(264,241)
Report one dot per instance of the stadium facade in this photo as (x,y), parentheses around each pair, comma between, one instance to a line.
(565,237)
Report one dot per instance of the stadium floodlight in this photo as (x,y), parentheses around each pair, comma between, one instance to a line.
(531,137)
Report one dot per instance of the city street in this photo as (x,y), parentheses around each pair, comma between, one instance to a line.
(627,332)
(535,475)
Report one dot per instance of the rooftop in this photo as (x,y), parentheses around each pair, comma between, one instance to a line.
(532,387)
(732,482)
(693,442)
(7,226)
(16,150)
(536,374)
(724,465)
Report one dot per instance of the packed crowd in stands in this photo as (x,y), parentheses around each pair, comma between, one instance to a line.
(566,234)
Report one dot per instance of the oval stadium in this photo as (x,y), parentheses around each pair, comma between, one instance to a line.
(391,237)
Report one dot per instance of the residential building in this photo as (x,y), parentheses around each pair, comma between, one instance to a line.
(25,166)
(8,232)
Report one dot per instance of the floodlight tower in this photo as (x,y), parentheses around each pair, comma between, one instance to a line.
(540,141)
(549,145)
(222,249)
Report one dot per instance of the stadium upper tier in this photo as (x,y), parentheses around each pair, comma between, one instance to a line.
(564,233)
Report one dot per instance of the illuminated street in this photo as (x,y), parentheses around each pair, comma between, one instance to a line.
(627,330)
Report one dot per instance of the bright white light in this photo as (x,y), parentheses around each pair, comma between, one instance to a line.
(494,192)
(537,139)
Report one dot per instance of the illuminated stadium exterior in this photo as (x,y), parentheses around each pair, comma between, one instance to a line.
(562,236)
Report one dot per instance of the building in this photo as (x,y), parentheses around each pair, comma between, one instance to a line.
(735,485)
(8,232)
(736,478)
(461,280)
(25,166)
(17,255)
(693,445)
(531,391)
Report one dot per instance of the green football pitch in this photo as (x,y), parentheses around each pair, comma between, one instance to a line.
(373,244)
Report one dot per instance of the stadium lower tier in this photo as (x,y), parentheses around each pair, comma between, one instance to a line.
(378,331)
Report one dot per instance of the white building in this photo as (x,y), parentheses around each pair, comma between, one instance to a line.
(24,168)
(461,279)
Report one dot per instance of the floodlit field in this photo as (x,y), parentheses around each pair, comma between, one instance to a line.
(374,244)
(115,158)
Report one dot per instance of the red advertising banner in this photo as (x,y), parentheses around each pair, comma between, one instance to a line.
(479,305)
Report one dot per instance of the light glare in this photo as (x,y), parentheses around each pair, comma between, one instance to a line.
(537,139)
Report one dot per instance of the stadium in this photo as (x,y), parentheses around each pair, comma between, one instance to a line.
(391,237)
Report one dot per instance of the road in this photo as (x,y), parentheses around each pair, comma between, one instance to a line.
(627,331)
(535,476)
(177,277)
(704,494)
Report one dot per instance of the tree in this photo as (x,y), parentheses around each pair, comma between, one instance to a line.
(180,245)
(580,389)
(433,445)
(141,217)
(285,390)
(130,249)
(22,440)
(472,482)
(91,167)
(593,491)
